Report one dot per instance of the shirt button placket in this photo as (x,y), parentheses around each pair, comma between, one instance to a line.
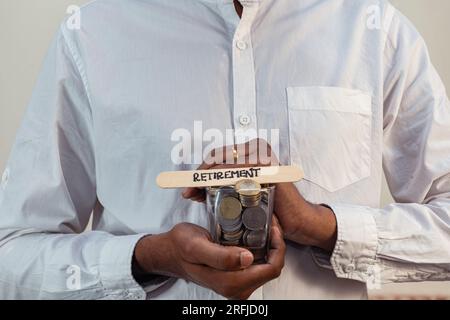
(244,79)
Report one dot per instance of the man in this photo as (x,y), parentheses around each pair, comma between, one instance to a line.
(349,85)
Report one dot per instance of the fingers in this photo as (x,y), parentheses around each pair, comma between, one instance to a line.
(219,281)
(226,154)
(254,152)
(219,257)
(232,166)
(189,193)
(228,270)
(194,194)
(259,274)
(277,248)
(233,284)
(199,198)
(276,223)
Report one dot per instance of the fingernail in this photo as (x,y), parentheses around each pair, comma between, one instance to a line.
(246,259)
(184,194)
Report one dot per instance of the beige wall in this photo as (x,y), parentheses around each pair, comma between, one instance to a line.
(27,27)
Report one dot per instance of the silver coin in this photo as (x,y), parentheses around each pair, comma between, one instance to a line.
(231,239)
(255,239)
(230,208)
(249,192)
(248,187)
(229,224)
(230,243)
(254,218)
(231,228)
(235,236)
(223,192)
(229,214)
(250,201)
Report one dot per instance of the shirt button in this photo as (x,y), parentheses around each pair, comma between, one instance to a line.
(242,45)
(244,120)
(350,268)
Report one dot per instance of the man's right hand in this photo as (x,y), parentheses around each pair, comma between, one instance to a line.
(188,252)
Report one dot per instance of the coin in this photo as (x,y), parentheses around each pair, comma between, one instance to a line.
(249,192)
(248,187)
(255,239)
(221,193)
(249,202)
(230,218)
(254,218)
(230,208)
(230,243)
(229,226)
(235,236)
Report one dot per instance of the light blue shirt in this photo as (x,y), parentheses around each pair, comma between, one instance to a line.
(350,99)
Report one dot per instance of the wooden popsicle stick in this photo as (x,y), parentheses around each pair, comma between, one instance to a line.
(226,177)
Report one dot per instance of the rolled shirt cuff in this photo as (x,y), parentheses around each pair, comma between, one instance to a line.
(355,253)
(116,270)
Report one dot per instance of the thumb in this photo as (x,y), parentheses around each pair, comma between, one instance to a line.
(221,257)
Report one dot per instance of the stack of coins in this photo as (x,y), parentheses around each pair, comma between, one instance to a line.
(255,239)
(249,192)
(230,219)
(254,219)
(242,215)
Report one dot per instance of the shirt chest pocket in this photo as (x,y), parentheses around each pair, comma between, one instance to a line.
(330,134)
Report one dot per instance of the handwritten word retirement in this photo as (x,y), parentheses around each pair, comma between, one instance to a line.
(229,174)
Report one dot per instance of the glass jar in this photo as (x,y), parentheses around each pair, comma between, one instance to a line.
(241,215)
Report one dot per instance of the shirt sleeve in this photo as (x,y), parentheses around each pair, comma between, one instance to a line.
(407,241)
(47,194)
